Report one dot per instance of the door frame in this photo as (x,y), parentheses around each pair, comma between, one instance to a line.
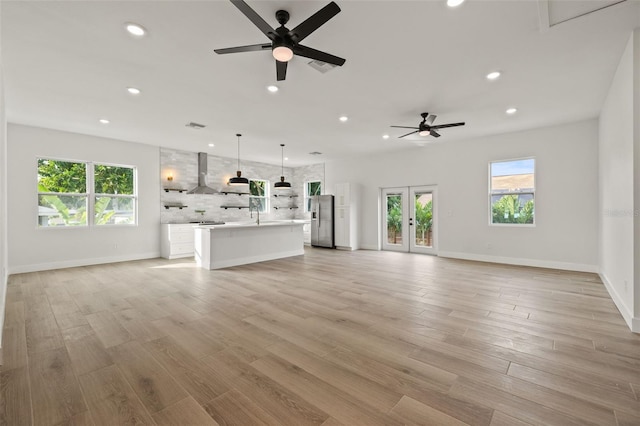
(413,248)
(404,192)
(408,220)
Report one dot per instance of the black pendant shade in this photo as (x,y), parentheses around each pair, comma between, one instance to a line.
(282,184)
(238,180)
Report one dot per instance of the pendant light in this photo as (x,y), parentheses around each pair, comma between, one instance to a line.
(238,180)
(282,184)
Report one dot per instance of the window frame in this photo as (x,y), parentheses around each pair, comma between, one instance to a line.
(266,197)
(90,194)
(532,192)
(307,197)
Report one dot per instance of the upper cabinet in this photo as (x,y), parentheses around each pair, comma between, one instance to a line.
(343,194)
(347,203)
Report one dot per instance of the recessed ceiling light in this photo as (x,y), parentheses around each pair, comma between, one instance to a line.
(343,118)
(135,29)
(286,158)
(493,75)
(385,136)
(273,89)
(511,111)
(211,145)
(133,90)
(454,3)
(104,121)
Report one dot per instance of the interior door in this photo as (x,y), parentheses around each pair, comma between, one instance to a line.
(395,219)
(422,229)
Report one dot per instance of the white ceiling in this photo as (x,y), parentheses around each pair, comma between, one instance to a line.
(67,64)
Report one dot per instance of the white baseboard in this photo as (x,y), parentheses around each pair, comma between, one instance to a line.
(567,266)
(369,247)
(632,322)
(20,269)
(4,280)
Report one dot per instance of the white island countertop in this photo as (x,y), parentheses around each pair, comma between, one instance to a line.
(240,243)
(253,224)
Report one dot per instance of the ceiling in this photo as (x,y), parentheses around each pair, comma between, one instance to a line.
(68,64)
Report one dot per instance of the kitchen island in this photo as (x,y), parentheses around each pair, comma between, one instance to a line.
(232,244)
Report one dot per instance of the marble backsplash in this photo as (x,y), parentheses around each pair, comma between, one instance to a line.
(183,167)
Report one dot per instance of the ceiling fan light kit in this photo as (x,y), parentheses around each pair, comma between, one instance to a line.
(425,127)
(285,43)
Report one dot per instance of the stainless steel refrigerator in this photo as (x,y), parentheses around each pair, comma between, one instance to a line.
(322,221)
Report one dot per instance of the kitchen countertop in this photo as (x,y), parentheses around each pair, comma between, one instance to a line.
(253,224)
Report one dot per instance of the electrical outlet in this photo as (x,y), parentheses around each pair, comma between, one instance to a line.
(489,246)
(115,246)
(449,213)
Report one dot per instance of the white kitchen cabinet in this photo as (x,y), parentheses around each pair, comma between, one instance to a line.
(343,195)
(306,233)
(346,216)
(177,240)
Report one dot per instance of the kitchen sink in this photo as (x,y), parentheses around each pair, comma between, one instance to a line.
(205,222)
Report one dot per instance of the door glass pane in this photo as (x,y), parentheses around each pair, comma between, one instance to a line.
(394,219)
(424,219)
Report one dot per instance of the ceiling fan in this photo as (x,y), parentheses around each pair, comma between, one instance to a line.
(425,127)
(285,43)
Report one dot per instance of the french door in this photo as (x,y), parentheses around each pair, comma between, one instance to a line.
(409,219)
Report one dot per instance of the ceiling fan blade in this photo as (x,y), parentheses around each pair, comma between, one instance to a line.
(410,133)
(255,18)
(430,119)
(281,70)
(403,127)
(249,48)
(314,22)
(442,126)
(310,53)
(434,133)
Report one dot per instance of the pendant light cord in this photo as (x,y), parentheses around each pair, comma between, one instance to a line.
(238,135)
(282,158)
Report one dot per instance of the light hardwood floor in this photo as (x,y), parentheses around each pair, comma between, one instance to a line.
(329,338)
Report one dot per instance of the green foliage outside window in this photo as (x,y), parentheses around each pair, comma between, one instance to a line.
(113,180)
(424,218)
(258,198)
(394,218)
(62,176)
(58,181)
(509,209)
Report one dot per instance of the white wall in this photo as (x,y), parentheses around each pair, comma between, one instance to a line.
(616,189)
(566,231)
(3,203)
(31,248)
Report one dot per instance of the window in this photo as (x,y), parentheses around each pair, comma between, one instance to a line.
(73,193)
(311,188)
(512,191)
(259,195)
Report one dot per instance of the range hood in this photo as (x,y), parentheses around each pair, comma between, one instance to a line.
(202,187)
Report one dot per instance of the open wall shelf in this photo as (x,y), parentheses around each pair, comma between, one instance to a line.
(234,193)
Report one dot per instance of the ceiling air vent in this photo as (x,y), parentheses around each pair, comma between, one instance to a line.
(323,67)
(196,126)
(315,153)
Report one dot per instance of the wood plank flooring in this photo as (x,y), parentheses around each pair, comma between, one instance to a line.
(329,338)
